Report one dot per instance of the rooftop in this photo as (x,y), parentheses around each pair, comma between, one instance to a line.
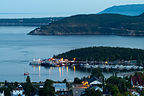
(60,85)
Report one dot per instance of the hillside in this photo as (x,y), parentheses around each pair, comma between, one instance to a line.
(104,53)
(131,10)
(94,24)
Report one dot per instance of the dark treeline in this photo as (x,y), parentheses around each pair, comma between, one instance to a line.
(103,54)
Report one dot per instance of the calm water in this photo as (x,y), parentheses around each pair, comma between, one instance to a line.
(17,49)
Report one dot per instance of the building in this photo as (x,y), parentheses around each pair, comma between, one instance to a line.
(134,93)
(60,87)
(39,85)
(137,80)
(92,81)
(63,93)
(78,89)
(18,91)
(96,82)
(2,93)
(98,88)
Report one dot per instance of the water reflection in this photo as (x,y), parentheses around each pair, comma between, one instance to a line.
(39,68)
(59,71)
(74,68)
(55,73)
(39,72)
(34,68)
(62,71)
(67,69)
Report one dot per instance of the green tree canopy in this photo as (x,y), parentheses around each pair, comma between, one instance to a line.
(28,87)
(77,81)
(92,92)
(96,72)
(122,84)
(48,89)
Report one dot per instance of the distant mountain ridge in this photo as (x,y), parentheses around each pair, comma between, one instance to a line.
(131,10)
(94,24)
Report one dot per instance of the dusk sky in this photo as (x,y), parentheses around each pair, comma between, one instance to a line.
(59,7)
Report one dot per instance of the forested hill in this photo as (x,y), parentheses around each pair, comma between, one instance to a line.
(131,10)
(103,54)
(28,21)
(94,24)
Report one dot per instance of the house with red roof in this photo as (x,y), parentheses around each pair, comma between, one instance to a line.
(137,80)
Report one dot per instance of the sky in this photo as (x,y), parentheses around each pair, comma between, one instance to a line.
(60,7)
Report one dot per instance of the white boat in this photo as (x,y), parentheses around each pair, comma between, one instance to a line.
(36,62)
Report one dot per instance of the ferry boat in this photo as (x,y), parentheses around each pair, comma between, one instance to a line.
(48,63)
(36,62)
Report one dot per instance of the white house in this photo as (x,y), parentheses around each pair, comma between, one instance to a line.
(135,93)
(95,83)
(98,88)
(2,93)
(18,91)
(60,87)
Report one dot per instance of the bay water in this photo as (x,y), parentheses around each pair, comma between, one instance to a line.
(17,49)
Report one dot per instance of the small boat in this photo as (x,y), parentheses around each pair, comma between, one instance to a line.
(26,73)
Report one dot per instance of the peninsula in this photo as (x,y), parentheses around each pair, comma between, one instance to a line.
(94,24)
(104,54)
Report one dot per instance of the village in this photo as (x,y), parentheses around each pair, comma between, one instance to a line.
(95,84)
